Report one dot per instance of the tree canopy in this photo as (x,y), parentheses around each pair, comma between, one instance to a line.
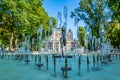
(94,13)
(100,15)
(114,6)
(113,33)
(19,17)
(81,38)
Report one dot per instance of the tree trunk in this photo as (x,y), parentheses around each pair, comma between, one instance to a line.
(16,42)
(11,33)
(11,41)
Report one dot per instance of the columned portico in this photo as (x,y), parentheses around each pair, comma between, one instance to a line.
(54,40)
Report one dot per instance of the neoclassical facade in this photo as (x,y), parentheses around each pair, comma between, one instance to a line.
(53,42)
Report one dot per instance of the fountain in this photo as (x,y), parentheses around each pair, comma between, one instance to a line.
(49,63)
(46,58)
(27,58)
(39,37)
(27,42)
(65,68)
(2,52)
(88,62)
(98,58)
(59,20)
(109,51)
(54,59)
(95,45)
(79,64)
(105,50)
(39,64)
(86,41)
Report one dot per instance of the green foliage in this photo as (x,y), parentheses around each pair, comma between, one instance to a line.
(81,37)
(22,17)
(97,13)
(3,36)
(114,35)
(93,13)
(113,6)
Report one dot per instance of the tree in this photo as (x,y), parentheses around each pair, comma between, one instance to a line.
(4,36)
(114,36)
(94,13)
(114,6)
(113,32)
(22,17)
(8,17)
(81,38)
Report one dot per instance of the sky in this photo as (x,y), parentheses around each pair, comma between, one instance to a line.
(52,7)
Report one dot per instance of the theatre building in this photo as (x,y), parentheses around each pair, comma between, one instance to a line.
(53,41)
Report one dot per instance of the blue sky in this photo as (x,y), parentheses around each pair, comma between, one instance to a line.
(52,7)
